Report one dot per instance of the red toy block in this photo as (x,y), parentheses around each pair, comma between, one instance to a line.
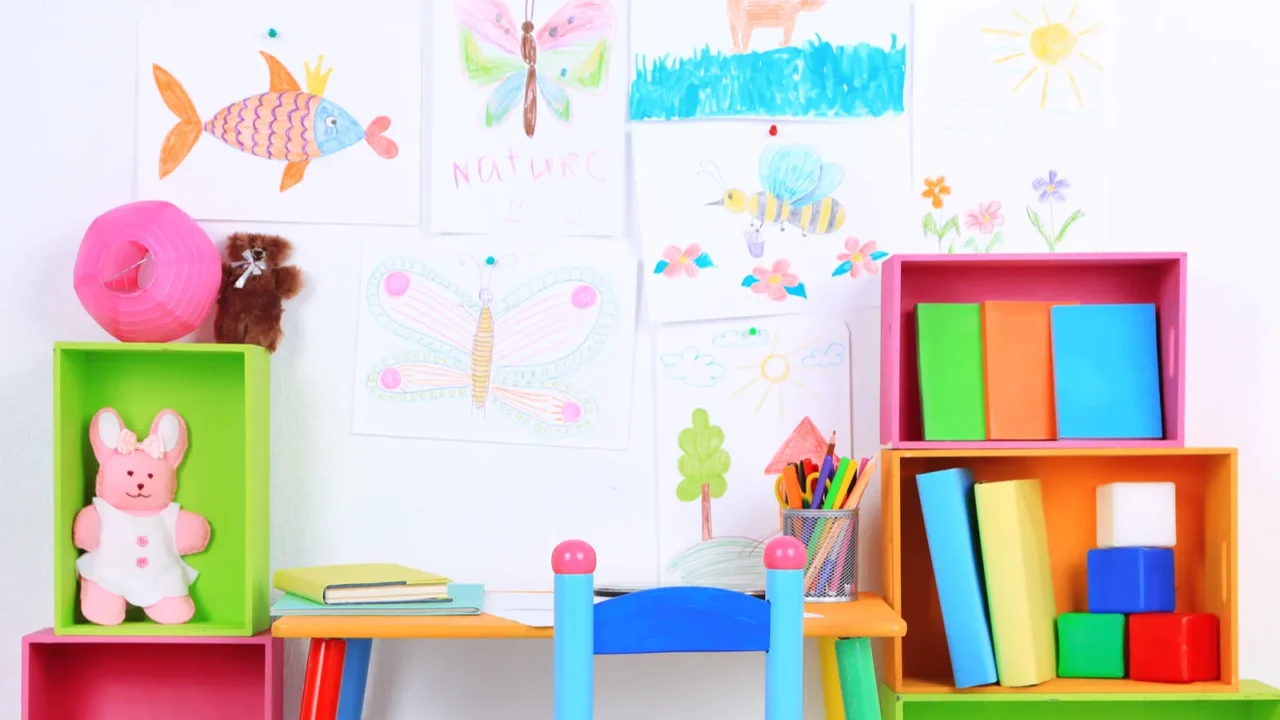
(1173,647)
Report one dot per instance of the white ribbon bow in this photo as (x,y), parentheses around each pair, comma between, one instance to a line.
(128,442)
(251,267)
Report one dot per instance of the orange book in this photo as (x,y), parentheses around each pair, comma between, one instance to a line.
(1017,350)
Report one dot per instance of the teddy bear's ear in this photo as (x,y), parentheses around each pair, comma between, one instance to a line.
(172,431)
(104,433)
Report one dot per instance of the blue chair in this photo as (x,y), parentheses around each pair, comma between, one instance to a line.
(679,619)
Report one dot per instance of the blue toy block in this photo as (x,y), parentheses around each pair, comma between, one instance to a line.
(1131,580)
(1106,372)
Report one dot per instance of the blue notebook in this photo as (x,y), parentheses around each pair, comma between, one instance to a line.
(464,599)
(951,527)
(1106,372)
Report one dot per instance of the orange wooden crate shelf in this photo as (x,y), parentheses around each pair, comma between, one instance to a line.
(1204,558)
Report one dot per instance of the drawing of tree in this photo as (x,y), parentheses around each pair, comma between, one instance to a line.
(702,466)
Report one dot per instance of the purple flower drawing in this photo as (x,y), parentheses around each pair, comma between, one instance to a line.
(1051,189)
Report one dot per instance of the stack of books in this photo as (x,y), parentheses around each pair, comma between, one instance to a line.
(372,589)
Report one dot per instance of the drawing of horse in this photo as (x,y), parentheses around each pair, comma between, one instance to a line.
(746,16)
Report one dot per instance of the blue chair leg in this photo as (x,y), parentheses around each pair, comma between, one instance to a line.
(574,563)
(355,676)
(784,663)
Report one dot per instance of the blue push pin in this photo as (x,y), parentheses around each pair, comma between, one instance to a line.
(489,260)
(272,32)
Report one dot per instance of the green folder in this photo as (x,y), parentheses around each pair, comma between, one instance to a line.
(464,599)
(952,388)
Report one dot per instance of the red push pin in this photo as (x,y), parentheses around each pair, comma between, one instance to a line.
(773,129)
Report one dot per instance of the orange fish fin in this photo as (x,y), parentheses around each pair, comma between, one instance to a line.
(293,174)
(183,136)
(281,79)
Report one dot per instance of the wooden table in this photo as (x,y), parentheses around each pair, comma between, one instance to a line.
(338,660)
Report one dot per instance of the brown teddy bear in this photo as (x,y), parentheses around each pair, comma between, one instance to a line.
(255,282)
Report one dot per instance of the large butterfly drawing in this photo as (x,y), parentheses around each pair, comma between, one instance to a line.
(509,354)
(569,52)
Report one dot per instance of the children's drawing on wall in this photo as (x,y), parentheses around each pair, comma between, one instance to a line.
(1011,99)
(228,131)
(528,125)
(768,58)
(517,345)
(732,397)
(740,222)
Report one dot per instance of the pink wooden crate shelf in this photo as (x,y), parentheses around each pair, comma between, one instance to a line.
(1159,278)
(193,678)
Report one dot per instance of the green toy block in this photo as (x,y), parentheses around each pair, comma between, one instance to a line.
(1254,701)
(953,399)
(1091,645)
(223,392)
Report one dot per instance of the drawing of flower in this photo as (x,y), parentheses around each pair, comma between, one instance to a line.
(985,219)
(776,282)
(938,226)
(863,257)
(687,262)
(1051,189)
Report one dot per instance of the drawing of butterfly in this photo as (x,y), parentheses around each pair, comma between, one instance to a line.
(569,52)
(510,354)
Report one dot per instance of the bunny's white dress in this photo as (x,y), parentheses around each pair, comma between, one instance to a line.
(137,556)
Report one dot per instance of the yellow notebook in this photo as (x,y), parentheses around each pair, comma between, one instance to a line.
(1015,559)
(363,583)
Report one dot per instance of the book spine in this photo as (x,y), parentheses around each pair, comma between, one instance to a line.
(287,582)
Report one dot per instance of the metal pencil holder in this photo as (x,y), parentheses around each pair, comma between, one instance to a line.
(831,538)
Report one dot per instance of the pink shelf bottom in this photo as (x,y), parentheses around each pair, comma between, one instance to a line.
(78,678)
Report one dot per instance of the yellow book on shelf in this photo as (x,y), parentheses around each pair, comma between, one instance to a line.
(362,583)
(1015,559)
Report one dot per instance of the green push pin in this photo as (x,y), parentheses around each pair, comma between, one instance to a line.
(751,331)
(272,32)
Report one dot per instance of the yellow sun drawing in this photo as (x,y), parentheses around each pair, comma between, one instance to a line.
(776,370)
(1051,46)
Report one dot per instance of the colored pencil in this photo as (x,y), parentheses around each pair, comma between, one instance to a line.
(855,496)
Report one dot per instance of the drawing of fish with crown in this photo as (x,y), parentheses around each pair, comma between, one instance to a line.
(284,123)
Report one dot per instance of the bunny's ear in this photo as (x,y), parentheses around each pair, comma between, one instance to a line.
(104,433)
(172,431)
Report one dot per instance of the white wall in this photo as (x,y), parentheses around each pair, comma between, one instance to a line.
(1196,137)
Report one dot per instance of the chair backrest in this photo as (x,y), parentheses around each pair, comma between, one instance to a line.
(679,619)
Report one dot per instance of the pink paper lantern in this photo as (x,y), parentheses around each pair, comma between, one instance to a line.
(146,272)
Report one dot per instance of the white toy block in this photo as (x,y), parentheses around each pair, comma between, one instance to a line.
(1137,514)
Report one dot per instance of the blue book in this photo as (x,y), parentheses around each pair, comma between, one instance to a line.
(464,599)
(1106,372)
(951,527)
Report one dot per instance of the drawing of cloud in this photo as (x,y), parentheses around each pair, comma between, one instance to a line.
(973,117)
(691,367)
(741,338)
(831,356)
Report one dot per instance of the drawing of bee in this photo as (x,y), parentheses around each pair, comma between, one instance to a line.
(797,191)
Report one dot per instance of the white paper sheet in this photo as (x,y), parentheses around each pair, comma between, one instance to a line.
(696,184)
(535,609)
(215,60)
(757,379)
(1011,104)
(487,173)
(497,341)
(768,58)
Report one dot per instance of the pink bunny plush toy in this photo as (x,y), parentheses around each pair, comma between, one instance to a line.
(134,535)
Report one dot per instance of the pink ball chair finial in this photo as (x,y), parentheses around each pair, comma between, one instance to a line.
(785,553)
(573,557)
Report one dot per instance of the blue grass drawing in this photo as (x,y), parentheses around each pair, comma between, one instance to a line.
(814,80)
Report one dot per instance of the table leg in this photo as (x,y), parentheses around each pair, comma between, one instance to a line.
(355,676)
(857,668)
(831,699)
(323,682)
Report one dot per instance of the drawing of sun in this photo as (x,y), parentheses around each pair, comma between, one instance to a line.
(1053,48)
(777,371)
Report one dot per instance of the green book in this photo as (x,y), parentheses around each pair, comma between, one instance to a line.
(463,599)
(952,388)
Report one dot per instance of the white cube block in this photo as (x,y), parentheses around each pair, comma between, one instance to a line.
(1137,514)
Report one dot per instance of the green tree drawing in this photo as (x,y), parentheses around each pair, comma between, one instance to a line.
(702,466)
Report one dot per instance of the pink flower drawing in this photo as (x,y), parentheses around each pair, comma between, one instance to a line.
(681,261)
(985,218)
(859,256)
(774,281)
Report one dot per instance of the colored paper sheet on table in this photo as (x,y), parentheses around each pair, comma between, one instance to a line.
(1011,106)
(768,58)
(321,124)
(729,394)
(497,341)
(736,222)
(540,151)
